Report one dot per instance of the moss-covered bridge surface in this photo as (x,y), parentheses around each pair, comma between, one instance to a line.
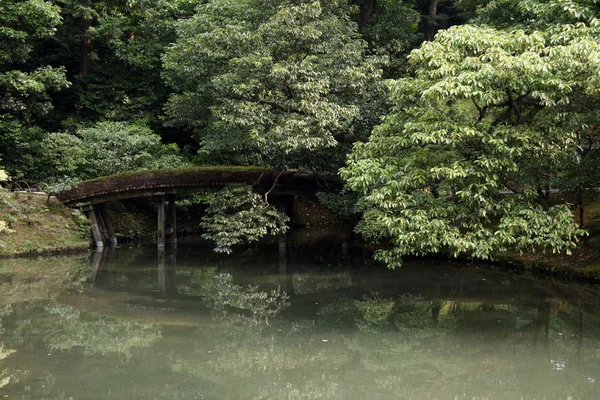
(182,180)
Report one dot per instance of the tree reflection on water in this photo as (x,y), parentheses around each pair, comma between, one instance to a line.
(202,329)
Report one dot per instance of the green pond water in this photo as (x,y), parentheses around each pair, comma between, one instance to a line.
(311,322)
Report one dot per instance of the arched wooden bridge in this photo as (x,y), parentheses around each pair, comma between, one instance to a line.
(164,185)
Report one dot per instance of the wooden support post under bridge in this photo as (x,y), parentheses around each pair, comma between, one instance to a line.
(106,224)
(160,236)
(167,221)
(101,226)
(171,221)
(96,235)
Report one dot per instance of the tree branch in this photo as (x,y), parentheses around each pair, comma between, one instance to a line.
(482,110)
(272,187)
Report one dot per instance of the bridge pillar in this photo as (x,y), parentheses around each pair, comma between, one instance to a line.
(160,237)
(90,212)
(106,225)
(171,221)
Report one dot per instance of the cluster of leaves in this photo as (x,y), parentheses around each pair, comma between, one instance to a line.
(237,214)
(108,148)
(24,83)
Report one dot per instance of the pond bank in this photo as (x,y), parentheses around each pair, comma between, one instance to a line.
(582,265)
(33,224)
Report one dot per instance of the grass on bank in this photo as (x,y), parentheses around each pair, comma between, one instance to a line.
(30,224)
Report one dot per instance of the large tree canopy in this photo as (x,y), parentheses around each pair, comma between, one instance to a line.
(456,165)
(261,80)
(24,83)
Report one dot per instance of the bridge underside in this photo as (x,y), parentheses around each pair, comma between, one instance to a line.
(163,185)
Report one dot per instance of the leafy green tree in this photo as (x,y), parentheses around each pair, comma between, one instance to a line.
(237,214)
(113,147)
(108,148)
(577,176)
(260,80)
(455,166)
(533,15)
(25,84)
(111,52)
(391,31)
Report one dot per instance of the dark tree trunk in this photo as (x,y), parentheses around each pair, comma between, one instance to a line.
(431,26)
(366,10)
(85,59)
(580,200)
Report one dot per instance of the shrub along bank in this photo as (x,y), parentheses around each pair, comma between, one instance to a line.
(582,264)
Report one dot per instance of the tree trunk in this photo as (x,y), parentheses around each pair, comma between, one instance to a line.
(366,10)
(85,59)
(431,26)
(580,202)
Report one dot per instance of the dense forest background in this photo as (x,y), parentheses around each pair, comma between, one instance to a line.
(466,126)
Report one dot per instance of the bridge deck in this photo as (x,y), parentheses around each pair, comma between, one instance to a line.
(173,181)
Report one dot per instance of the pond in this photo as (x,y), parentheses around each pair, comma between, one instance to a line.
(312,322)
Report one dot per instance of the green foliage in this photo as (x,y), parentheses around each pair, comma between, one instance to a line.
(259,80)
(342,204)
(24,83)
(21,23)
(4,228)
(113,147)
(392,32)
(127,40)
(487,112)
(108,148)
(64,153)
(536,14)
(60,185)
(237,214)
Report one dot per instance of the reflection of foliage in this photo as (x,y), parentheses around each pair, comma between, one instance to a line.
(196,280)
(261,304)
(306,283)
(97,334)
(413,313)
(343,309)
(373,311)
(259,360)
(30,279)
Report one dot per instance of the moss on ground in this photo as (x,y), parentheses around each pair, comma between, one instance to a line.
(30,224)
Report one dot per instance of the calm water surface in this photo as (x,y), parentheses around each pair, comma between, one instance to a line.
(310,324)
